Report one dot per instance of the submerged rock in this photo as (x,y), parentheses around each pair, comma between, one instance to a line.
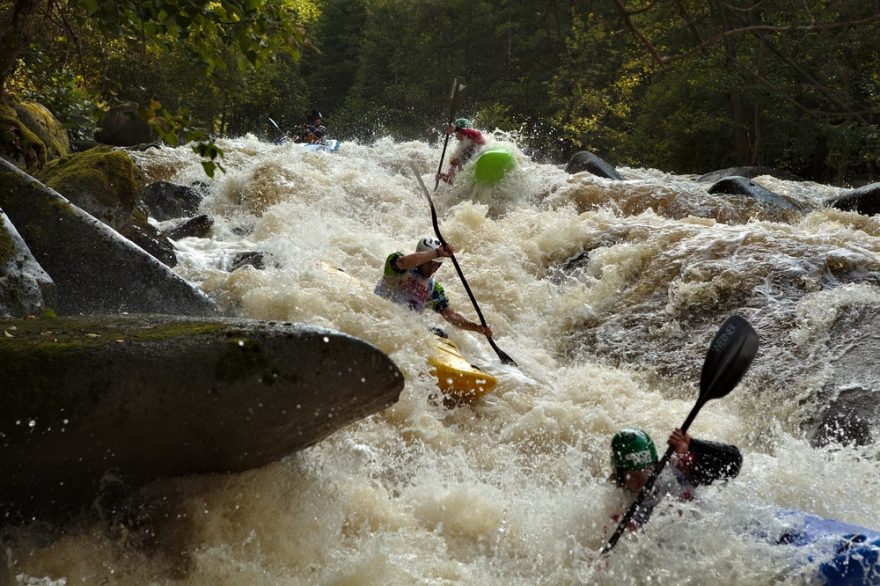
(94,268)
(147,397)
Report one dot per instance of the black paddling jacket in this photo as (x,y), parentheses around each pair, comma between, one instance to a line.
(713,461)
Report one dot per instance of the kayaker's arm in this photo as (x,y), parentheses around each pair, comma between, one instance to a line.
(408,261)
(464,323)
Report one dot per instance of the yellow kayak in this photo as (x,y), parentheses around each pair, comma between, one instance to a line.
(456,377)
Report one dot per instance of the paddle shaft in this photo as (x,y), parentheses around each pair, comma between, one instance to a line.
(505,358)
(452,98)
(649,484)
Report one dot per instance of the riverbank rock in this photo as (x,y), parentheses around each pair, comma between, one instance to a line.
(25,288)
(30,135)
(145,397)
(166,201)
(864,200)
(587,161)
(102,181)
(94,269)
(123,125)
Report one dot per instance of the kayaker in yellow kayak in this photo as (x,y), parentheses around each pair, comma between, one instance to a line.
(408,279)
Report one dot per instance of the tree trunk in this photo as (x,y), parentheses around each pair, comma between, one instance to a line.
(17,24)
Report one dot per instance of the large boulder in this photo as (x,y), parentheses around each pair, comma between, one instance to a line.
(25,288)
(103,181)
(864,200)
(587,161)
(94,268)
(123,125)
(145,397)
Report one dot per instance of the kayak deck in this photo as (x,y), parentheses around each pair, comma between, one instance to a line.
(456,377)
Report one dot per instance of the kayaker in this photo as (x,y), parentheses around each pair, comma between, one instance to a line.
(693,462)
(314,131)
(470,141)
(408,279)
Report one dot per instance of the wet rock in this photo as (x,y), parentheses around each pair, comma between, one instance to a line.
(748,172)
(250,258)
(737,185)
(587,161)
(152,241)
(167,201)
(864,200)
(25,288)
(94,268)
(198,227)
(123,125)
(145,397)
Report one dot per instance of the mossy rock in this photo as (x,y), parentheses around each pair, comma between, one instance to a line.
(45,126)
(102,181)
(18,143)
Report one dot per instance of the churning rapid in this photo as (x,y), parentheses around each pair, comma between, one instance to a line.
(606,293)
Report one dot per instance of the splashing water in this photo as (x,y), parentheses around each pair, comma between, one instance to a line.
(606,293)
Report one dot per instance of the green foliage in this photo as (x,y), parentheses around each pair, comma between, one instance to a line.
(683,86)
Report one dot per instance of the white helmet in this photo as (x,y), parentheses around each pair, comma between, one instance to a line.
(429,243)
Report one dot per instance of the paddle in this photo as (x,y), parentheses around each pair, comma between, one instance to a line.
(501,354)
(453,97)
(727,360)
(281,132)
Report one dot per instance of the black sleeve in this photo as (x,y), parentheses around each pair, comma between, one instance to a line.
(714,461)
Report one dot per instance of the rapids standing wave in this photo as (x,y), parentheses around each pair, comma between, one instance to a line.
(606,293)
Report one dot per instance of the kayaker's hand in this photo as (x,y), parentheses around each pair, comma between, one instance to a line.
(446,250)
(680,441)
(485,330)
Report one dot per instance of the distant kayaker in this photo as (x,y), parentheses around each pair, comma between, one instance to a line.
(694,462)
(314,131)
(408,279)
(470,141)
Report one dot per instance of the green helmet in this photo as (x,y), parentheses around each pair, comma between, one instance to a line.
(632,449)
(462,123)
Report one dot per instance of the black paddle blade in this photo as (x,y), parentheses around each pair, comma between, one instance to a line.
(729,357)
(502,355)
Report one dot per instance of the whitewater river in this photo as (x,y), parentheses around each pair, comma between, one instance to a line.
(606,293)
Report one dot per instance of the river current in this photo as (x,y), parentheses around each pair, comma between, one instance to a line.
(606,293)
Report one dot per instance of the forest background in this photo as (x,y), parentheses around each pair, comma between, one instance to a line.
(684,86)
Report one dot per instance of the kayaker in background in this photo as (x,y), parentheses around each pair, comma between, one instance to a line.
(694,462)
(470,141)
(408,279)
(314,131)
